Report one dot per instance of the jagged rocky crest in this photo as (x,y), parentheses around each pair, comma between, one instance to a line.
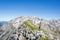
(30,28)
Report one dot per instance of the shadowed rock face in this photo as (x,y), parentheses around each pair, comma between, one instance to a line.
(30,28)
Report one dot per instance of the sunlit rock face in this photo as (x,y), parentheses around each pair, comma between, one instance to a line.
(30,28)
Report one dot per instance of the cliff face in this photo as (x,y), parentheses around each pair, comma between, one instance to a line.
(30,28)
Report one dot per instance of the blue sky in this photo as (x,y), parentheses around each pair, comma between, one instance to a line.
(47,9)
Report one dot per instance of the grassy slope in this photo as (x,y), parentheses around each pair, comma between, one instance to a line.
(30,25)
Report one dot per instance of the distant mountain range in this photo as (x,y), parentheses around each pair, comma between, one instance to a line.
(2,22)
(30,28)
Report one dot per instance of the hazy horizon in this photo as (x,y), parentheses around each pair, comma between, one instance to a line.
(46,9)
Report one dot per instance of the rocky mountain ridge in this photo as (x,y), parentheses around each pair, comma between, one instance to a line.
(30,28)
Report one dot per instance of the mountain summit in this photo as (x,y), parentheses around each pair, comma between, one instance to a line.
(30,28)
